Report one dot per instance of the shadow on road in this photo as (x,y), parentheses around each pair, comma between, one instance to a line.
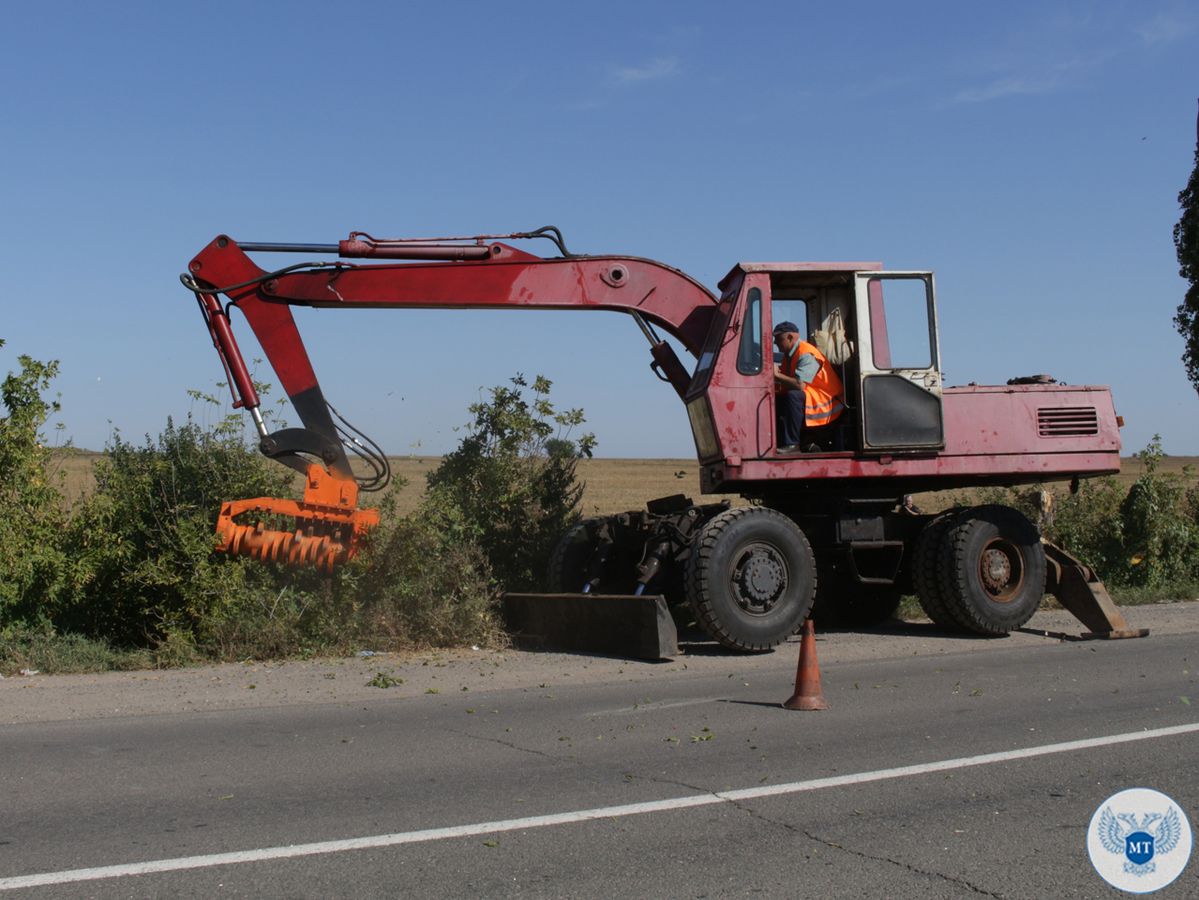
(903,629)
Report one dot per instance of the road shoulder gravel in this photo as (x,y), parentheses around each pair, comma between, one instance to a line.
(414,677)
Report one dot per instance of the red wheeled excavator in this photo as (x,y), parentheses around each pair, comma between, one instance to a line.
(829,524)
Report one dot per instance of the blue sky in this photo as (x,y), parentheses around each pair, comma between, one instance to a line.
(1030,153)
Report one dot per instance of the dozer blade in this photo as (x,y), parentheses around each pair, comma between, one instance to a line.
(328,526)
(634,626)
(1077,588)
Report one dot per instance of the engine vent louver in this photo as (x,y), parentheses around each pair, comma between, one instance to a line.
(1067,421)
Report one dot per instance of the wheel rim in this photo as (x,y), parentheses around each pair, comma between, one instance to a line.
(1001,570)
(758,579)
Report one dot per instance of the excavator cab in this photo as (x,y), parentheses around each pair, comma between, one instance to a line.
(876,329)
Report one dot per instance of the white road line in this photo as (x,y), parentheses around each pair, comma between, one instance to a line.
(583,815)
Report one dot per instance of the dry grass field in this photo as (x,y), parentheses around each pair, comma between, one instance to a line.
(611,485)
(74,468)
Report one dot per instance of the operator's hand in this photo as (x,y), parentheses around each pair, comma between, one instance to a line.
(785,382)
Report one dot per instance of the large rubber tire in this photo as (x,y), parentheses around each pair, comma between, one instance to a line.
(571,560)
(994,574)
(751,578)
(931,556)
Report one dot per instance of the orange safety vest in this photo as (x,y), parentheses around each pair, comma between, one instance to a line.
(823,394)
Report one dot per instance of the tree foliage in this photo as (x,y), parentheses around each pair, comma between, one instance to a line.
(1186,241)
(32,562)
(511,485)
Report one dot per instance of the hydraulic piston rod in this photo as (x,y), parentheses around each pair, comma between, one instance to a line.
(360,249)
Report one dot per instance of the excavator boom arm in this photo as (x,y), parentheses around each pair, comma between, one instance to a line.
(481,276)
(439,274)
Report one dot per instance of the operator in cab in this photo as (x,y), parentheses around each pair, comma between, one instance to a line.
(808,392)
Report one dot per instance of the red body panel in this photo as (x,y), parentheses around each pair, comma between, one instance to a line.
(1010,434)
(1020,420)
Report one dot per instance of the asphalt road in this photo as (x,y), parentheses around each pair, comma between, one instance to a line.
(512,777)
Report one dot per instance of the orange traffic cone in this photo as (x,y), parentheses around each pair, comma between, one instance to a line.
(807,677)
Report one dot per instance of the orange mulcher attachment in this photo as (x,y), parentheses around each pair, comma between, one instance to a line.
(328,525)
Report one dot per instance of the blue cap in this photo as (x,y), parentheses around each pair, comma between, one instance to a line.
(785,327)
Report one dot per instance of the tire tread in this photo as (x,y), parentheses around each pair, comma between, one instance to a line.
(699,575)
(955,574)
(931,557)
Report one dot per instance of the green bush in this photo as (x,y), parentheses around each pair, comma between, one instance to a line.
(410,586)
(511,486)
(1088,524)
(131,573)
(143,542)
(418,583)
(1143,538)
(1160,525)
(32,559)
(147,574)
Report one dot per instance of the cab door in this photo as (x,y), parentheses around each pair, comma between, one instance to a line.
(899,372)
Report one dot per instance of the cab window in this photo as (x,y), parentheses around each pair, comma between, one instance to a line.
(793,310)
(901,323)
(716,337)
(749,351)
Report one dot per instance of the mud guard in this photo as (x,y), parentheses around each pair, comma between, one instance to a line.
(637,627)
(1080,591)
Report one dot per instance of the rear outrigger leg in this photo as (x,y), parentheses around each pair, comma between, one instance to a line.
(1080,591)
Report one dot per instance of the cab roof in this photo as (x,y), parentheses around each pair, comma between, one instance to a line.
(830,268)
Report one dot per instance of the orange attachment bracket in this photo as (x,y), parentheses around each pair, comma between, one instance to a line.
(328,525)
